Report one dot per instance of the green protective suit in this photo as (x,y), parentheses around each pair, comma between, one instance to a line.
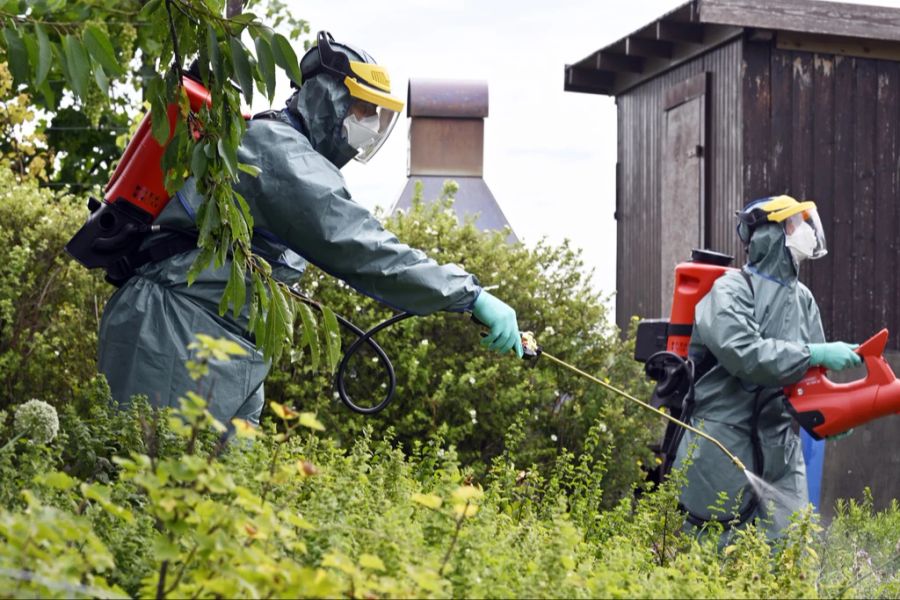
(756,339)
(302,212)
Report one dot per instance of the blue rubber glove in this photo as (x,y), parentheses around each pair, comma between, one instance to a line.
(501,319)
(835,356)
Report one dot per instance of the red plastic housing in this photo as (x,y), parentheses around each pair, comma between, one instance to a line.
(832,408)
(138,179)
(693,280)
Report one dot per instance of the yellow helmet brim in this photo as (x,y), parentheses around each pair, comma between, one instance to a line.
(375,96)
(780,208)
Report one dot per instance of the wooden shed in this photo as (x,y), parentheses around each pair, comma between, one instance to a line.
(722,101)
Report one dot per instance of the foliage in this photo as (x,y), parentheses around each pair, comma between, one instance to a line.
(293,514)
(49,305)
(448,385)
(57,46)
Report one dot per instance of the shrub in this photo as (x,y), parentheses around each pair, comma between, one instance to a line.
(49,305)
(293,514)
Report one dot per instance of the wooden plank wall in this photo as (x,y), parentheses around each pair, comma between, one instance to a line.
(825,127)
(641,121)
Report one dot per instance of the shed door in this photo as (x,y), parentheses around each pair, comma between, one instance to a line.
(682,198)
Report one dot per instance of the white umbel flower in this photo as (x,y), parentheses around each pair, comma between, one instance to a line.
(37,420)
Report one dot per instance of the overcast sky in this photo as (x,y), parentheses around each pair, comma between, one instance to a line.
(549,155)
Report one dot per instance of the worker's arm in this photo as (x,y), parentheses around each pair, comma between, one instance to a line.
(302,200)
(726,324)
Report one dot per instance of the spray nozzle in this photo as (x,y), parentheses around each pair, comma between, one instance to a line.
(531,351)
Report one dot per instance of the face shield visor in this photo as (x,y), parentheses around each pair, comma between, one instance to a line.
(804,234)
(373,112)
(366,127)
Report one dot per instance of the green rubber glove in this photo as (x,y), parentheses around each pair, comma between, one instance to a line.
(501,319)
(835,356)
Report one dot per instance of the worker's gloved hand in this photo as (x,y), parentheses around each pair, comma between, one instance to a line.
(501,319)
(835,356)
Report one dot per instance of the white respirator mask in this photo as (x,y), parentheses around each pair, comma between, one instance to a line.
(802,242)
(360,132)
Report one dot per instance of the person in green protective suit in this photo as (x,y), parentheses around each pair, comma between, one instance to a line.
(302,212)
(754,333)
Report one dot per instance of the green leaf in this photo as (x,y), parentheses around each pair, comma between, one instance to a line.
(308,419)
(165,549)
(199,161)
(31,50)
(215,57)
(286,58)
(79,65)
(229,155)
(238,287)
(242,69)
(159,115)
(45,55)
(57,480)
(148,8)
(97,43)
(226,297)
(266,65)
(432,501)
(332,338)
(466,493)
(61,60)
(243,18)
(245,209)
(251,170)
(102,80)
(101,495)
(17,55)
(370,561)
(200,263)
(309,334)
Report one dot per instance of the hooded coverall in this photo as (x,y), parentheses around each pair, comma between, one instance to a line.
(302,212)
(757,340)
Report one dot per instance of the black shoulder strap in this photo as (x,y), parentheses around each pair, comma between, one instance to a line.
(123,269)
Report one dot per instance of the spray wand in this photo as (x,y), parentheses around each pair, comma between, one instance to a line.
(532,351)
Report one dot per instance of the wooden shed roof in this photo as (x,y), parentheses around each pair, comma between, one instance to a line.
(698,25)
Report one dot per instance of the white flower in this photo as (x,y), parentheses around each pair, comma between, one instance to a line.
(549,330)
(472,412)
(423,343)
(38,420)
(553,437)
(602,427)
(472,380)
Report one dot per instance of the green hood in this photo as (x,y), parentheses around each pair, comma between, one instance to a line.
(769,257)
(322,103)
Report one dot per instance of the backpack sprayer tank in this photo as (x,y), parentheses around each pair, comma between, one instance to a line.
(693,280)
(133,198)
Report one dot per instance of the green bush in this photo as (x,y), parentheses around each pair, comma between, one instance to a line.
(292,514)
(447,383)
(50,306)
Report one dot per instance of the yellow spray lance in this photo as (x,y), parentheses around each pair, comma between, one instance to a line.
(532,351)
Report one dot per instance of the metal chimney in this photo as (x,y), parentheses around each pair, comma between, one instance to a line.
(446,141)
